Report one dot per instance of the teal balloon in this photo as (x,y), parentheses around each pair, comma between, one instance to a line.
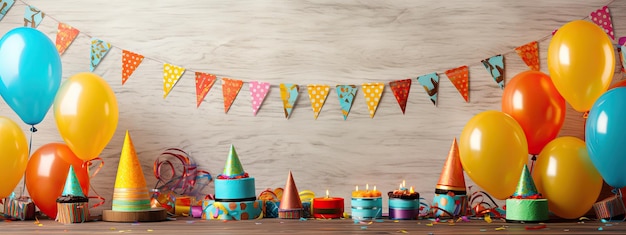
(605,136)
(30,73)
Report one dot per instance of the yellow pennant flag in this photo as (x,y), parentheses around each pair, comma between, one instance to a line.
(317,95)
(171,74)
(373,93)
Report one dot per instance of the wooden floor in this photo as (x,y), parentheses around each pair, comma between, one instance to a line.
(339,226)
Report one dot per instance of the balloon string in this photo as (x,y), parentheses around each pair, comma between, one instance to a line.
(532,164)
(30,146)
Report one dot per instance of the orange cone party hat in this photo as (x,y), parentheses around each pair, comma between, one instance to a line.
(290,204)
(130,192)
(452,178)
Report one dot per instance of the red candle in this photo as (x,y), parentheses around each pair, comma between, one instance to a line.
(328,207)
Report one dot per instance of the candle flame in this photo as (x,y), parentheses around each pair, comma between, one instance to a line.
(411,190)
(400,187)
(367,187)
(374,187)
(326,193)
(403,184)
(357,188)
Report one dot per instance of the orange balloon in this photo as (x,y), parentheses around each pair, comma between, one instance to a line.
(46,173)
(533,101)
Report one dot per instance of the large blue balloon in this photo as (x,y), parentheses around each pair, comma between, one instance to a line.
(605,136)
(30,73)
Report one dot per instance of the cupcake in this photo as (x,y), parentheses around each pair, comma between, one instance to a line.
(72,205)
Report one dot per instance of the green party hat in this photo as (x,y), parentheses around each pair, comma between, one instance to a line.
(72,187)
(233,165)
(526,185)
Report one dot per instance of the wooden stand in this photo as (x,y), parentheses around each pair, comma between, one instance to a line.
(152,215)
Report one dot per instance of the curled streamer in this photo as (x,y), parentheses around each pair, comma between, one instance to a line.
(90,164)
(176,171)
(479,206)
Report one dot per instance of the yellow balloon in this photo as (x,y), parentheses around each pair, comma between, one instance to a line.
(86,114)
(565,175)
(14,156)
(493,151)
(581,62)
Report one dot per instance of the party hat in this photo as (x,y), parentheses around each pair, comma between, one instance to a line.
(291,197)
(72,186)
(526,185)
(233,165)
(130,192)
(452,173)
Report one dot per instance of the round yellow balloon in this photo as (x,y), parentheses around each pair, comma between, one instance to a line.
(14,156)
(581,62)
(493,151)
(86,114)
(565,175)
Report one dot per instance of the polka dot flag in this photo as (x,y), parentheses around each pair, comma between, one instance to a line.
(204,82)
(317,95)
(530,54)
(373,92)
(258,92)
(460,78)
(400,89)
(602,17)
(171,74)
(130,62)
(230,89)
(65,36)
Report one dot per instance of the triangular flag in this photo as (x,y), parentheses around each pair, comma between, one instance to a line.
(602,17)
(6,5)
(204,82)
(430,82)
(65,36)
(460,78)
(373,92)
(258,91)
(317,95)
(230,89)
(171,74)
(400,89)
(130,62)
(289,94)
(99,50)
(530,54)
(495,66)
(346,94)
(33,17)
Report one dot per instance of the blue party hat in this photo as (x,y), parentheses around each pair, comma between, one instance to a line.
(72,186)
(233,166)
(526,185)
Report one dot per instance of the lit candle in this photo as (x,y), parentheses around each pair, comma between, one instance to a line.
(365,193)
(328,207)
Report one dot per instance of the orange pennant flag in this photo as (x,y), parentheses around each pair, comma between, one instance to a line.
(130,62)
(65,36)
(230,89)
(460,78)
(171,74)
(373,93)
(530,55)
(317,95)
(204,82)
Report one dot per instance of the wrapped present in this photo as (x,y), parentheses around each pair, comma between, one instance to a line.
(271,209)
(449,205)
(610,207)
(244,210)
(21,208)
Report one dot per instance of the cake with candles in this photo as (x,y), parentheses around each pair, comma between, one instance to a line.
(235,197)
(290,204)
(404,203)
(328,207)
(526,204)
(72,204)
(450,198)
(366,204)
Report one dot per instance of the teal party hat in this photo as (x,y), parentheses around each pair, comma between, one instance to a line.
(526,185)
(72,187)
(233,165)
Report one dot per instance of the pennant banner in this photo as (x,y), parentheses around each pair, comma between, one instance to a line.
(430,82)
(33,17)
(5,5)
(65,36)
(373,92)
(460,78)
(258,91)
(602,17)
(171,74)
(317,95)
(289,94)
(230,89)
(204,82)
(99,50)
(346,94)
(495,67)
(530,54)
(400,89)
(130,62)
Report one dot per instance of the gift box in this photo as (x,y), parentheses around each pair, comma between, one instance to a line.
(610,207)
(449,205)
(21,208)
(245,210)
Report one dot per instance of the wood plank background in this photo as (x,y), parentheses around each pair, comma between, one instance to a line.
(304,42)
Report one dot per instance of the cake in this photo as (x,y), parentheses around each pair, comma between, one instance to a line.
(235,197)
(450,198)
(290,204)
(72,205)
(366,204)
(526,204)
(404,204)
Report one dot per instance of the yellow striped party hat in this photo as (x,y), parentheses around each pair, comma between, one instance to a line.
(130,192)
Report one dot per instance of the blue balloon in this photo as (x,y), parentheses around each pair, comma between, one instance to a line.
(605,136)
(30,73)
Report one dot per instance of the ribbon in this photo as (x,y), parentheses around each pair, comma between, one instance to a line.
(425,210)
(88,165)
(479,207)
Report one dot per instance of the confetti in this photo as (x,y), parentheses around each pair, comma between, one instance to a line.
(583,218)
(565,230)
(536,227)
(190,221)
(500,228)
(488,218)
(402,231)
(363,227)
(149,230)
(429,224)
(600,229)
(396,221)
(483,230)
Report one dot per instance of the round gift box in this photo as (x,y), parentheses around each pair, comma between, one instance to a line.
(367,208)
(455,205)
(235,189)
(328,208)
(403,209)
(527,210)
